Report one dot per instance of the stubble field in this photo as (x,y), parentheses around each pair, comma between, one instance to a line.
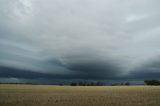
(45,95)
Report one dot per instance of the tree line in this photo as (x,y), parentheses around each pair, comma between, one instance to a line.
(97,84)
(152,82)
(87,84)
(146,82)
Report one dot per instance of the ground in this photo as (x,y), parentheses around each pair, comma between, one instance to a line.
(49,95)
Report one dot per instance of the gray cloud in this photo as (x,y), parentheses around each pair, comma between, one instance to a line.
(86,39)
(148,70)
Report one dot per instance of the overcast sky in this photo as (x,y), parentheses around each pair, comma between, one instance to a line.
(50,40)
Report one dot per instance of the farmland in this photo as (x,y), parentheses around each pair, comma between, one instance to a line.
(48,95)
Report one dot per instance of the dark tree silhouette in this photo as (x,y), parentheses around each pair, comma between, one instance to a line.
(87,84)
(152,82)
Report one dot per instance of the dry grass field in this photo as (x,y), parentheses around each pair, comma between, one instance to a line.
(45,95)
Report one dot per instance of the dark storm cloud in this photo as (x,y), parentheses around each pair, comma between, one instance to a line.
(79,39)
(8,72)
(78,68)
(149,70)
(93,67)
(144,74)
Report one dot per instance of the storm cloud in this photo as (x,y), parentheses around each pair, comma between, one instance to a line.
(79,39)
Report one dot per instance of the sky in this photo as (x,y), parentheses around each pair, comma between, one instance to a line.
(67,40)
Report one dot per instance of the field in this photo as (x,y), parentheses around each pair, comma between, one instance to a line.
(45,95)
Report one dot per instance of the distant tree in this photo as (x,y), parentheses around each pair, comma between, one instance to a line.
(60,84)
(73,84)
(152,82)
(127,83)
(100,84)
(92,84)
(120,84)
(147,82)
(80,83)
(114,84)
(87,84)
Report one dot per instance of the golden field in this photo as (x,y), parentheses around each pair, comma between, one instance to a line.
(48,95)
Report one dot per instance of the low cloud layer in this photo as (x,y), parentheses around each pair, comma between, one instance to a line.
(79,39)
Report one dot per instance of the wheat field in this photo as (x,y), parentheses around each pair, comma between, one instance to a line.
(48,95)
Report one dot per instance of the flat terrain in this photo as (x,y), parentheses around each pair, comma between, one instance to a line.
(45,95)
